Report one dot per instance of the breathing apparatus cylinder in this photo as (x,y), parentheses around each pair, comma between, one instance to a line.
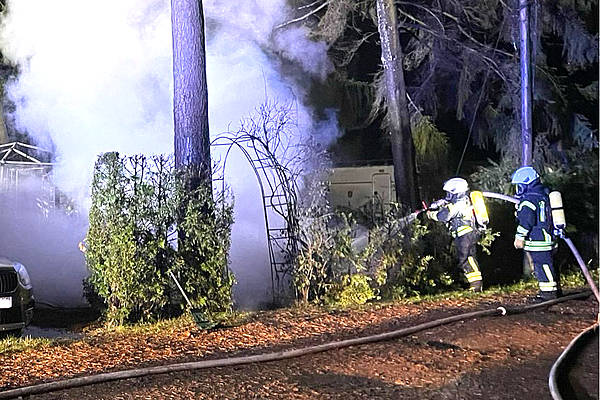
(479,207)
(558,214)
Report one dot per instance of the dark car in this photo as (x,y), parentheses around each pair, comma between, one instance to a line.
(16,297)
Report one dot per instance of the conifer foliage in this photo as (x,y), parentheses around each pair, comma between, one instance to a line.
(132,241)
(461,58)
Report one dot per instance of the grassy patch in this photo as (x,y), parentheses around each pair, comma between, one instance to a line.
(521,286)
(575,278)
(168,326)
(13,344)
(164,326)
(570,280)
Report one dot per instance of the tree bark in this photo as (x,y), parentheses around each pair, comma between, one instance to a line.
(403,149)
(3,133)
(190,100)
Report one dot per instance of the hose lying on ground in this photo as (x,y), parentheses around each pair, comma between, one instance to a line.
(559,365)
(584,269)
(260,358)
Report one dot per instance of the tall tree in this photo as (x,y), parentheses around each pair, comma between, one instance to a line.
(190,100)
(398,118)
(387,95)
(462,57)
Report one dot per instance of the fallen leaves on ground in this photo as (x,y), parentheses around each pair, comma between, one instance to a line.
(100,351)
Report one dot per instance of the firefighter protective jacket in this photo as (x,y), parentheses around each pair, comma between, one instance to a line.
(535,219)
(458,216)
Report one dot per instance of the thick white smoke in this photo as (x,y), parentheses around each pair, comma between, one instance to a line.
(97,76)
(93,77)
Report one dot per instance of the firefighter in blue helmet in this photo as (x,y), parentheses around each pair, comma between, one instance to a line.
(535,230)
(456,211)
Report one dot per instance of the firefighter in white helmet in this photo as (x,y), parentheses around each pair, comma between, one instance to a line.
(456,211)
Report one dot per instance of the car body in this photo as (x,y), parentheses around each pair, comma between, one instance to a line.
(16,296)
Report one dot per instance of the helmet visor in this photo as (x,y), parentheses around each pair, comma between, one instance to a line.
(519,189)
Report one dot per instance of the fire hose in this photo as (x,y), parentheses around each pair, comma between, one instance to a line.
(560,364)
(568,241)
(563,361)
(274,356)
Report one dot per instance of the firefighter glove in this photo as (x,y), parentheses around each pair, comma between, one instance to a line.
(438,204)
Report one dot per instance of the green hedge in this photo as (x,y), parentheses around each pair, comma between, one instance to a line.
(139,208)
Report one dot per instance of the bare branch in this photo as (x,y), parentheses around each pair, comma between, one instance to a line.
(426,10)
(293,21)
(314,3)
(471,38)
(452,17)
(414,105)
(491,63)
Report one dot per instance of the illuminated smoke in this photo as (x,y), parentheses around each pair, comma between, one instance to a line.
(96,77)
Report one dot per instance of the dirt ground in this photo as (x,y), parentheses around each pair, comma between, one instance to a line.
(488,358)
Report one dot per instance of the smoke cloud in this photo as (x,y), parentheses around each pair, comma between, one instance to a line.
(97,76)
(46,245)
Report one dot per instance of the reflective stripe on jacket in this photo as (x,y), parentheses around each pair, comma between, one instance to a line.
(534,221)
(458,216)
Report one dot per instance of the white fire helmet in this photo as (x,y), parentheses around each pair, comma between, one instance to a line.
(456,186)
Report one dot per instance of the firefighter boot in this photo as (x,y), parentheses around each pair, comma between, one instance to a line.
(476,286)
(544,296)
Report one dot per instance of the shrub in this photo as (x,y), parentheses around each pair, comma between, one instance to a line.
(132,242)
(350,290)
(343,262)
(418,261)
(201,259)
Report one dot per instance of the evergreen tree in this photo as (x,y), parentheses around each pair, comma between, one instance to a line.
(462,58)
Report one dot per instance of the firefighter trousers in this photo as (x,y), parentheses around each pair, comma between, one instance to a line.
(466,250)
(545,273)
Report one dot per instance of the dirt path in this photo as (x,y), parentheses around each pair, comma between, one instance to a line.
(489,358)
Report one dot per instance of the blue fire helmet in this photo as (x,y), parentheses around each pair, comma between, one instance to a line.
(525,176)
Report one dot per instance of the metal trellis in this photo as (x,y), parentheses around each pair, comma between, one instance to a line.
(278,191)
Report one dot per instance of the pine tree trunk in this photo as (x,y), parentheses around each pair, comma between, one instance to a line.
(3,133)
(190,100)
(403,149)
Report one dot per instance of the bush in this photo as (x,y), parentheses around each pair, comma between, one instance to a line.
(132,242)
(343,262)
(418,261)
(201,259)
(350,290)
